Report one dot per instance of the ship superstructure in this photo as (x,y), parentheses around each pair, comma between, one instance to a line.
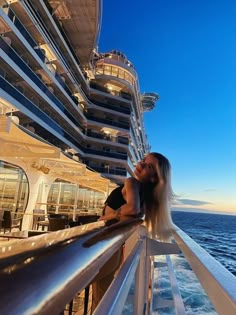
(57,85)
(71,125)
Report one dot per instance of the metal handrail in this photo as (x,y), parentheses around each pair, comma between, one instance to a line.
(40,275)
(217,281)
(119,290)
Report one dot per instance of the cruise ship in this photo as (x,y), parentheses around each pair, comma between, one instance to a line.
(57,88)
(71,129)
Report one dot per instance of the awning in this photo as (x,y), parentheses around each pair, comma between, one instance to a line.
(47,158)
(17,143)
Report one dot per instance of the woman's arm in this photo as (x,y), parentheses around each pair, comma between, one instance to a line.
(131,208)
(132,196)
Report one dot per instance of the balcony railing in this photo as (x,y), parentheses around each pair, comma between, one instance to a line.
(112,107)
(120,156)
(41,115)
(121,94)
(112,171)
(25,33)
(105,137)
(107,121)
(60,28)
(27,70)
(53,267)
(35,46)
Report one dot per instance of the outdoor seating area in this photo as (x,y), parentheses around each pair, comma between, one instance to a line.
(42,222)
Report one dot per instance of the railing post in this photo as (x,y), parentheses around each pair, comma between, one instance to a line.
(142,282)
(143,275)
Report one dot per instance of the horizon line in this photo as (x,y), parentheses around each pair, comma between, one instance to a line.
(202,210)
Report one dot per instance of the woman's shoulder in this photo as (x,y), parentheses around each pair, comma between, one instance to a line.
(132,181)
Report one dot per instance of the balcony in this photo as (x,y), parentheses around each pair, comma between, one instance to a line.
(121,94)
(119,156)
(35,78)
(107,121)
(40,52)
(42,117)
(105,137)
(112,107)
(11,90)
(111,171)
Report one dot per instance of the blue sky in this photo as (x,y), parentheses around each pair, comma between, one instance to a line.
(186,52)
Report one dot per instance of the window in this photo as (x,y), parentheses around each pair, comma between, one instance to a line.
(14,187)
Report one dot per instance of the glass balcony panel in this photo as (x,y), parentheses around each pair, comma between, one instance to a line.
(24,67)
(112,106)
(108,122)
(114,71)
(122,156)
(112,171)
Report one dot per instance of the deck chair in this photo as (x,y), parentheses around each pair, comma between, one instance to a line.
(11,220)
(40,219)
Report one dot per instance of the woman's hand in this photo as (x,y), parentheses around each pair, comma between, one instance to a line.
(109,214)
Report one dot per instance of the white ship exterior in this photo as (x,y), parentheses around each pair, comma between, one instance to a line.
(71,128)
(58,89)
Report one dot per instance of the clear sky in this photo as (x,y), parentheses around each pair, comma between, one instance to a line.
(186,52)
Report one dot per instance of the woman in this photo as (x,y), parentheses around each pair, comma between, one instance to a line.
(147,194)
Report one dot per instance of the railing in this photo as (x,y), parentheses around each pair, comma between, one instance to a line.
(114,140)
(27,70)
(28,105)
(121,94)
(218,282)
(40,275)
(116,108)
(110,170)
(47,34)
(122,125)
(115,155)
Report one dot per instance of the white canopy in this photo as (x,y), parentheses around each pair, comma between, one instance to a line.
(44,157)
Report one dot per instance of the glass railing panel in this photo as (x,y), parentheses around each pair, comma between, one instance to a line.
(38,50)
(96,135)
(24,67)
(105,137)
(123,140)
(111,171)
(112,107)
(21,28)
(63,84)
(62,31)
(50,38)
(11,14)
(8,88)
(34,45)
(108,122)
(107,154)
(124,95)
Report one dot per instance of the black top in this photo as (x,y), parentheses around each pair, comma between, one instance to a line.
(115,200)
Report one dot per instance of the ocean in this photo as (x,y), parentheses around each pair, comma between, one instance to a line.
(216,233)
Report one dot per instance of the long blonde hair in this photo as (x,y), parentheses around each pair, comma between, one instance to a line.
(157,206)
